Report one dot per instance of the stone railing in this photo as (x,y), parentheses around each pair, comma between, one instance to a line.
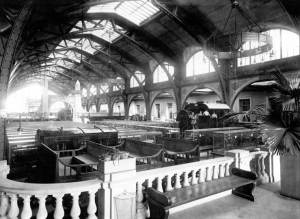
(24,200)
(174,177)
(265,164)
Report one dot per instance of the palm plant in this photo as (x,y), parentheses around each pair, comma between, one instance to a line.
(281,126)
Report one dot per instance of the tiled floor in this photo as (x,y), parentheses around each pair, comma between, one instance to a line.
(269,204)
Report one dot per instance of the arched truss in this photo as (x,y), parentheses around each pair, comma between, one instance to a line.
(153,44)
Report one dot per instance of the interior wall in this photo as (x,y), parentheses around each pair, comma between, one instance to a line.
(118,109)
(164,112)
(133,108)
(256,98)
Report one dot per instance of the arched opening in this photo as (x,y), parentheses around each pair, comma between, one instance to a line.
(60,110)
(93,109)
(137,108)
(159,75)
(204,95)
(137,80)
(205,108)
(254,96)
(103,109)
(198,64)
(118,107)
(164,107)
(285,44)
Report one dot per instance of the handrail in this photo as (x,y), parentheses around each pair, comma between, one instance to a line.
(11,186)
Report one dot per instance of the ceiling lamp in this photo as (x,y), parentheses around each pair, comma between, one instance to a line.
(232,43)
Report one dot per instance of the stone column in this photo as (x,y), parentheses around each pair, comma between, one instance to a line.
(242,158)
(119,178)
(45,100)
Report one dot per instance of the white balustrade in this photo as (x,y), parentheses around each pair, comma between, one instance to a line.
(12,191)
(211,169)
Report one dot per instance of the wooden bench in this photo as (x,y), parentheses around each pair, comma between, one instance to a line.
(241,183)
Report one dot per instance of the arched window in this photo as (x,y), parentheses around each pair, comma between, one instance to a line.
(104,89)
(93,90)
(140,76)
(285,44)
(84,92)
(198,64)
(159,75)
(116,88)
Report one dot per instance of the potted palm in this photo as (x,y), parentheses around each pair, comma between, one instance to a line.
(281,128)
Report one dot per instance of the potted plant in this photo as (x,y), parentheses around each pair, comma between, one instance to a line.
(280,130)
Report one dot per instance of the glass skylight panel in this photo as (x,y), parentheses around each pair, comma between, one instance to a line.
(135,11)
(106,31)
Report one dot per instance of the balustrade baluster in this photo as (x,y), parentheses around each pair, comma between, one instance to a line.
(185,179)
(194,177)
(3,205)
(222,170)
(159,184)
(92,208)
(75,211)
(140,207)
(59,210)
(26,212)
(208,173)
(216,171)
(202,175)
(177,181)
(169,183)
(14,209)
(42,212)
(227,173)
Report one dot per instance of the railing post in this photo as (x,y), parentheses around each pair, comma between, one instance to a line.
(119,177)
(26,212)
(42,212)
(3,205)
(92,208)
(59,210)
(75,210)
(13,211)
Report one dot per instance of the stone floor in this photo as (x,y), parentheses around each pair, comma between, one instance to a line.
(269,204)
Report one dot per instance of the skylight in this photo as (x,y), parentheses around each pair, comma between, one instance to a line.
(135,11)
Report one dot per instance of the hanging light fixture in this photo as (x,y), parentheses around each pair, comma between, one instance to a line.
(236,39)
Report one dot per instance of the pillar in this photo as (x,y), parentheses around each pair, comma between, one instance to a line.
(119,178)
(45,100)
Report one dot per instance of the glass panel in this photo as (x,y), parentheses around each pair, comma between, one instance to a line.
(198,64)
(285,44)
(135,11)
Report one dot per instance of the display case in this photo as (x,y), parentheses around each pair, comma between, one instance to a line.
(232,139)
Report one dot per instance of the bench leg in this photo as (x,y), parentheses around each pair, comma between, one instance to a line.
(245,191)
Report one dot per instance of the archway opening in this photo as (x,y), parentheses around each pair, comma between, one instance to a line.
(137,108)
(255,96)
(118,107)
(60,110)
(203,95)
(205,108)
(103,109)
(164,108)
